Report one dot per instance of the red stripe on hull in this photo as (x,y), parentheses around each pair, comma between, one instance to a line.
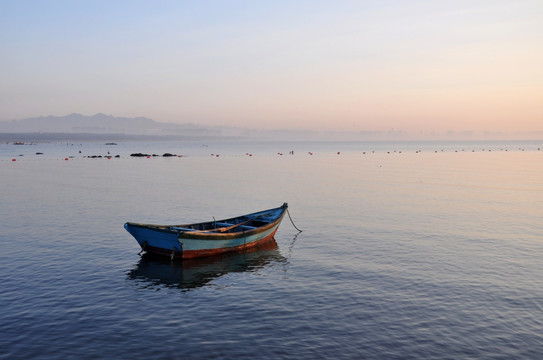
(191,254)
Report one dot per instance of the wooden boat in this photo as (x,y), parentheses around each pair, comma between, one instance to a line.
(208,238)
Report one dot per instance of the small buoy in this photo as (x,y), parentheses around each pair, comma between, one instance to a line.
(148,156)
(65,158)
(338,153)
(13,159)
(217,155)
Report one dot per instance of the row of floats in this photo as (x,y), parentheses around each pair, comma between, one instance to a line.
(169,155)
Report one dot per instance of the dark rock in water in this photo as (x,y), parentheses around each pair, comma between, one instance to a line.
(39,153)
(111,143)
(168,155)
(100,156)
(139,155)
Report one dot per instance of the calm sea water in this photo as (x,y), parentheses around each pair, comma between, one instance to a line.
(408,250)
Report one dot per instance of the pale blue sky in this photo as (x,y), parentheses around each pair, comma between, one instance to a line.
(417,66)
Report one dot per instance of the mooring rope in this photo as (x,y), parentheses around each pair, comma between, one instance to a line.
(292,221)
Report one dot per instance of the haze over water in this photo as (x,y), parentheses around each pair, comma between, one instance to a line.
(408,250)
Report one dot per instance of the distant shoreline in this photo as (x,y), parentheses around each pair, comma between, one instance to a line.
(47,137)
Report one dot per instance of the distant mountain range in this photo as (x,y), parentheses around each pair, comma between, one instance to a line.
(102,124)
(108,127)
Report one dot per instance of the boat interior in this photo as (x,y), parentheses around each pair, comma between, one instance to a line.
(231,225)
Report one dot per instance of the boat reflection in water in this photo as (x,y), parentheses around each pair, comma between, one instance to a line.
(153,270)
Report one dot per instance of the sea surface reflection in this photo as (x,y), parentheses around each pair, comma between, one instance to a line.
(153,270)
(430,253)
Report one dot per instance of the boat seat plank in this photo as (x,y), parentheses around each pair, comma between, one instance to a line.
(182,228)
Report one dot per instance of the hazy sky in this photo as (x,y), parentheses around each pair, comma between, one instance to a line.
(416,66)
